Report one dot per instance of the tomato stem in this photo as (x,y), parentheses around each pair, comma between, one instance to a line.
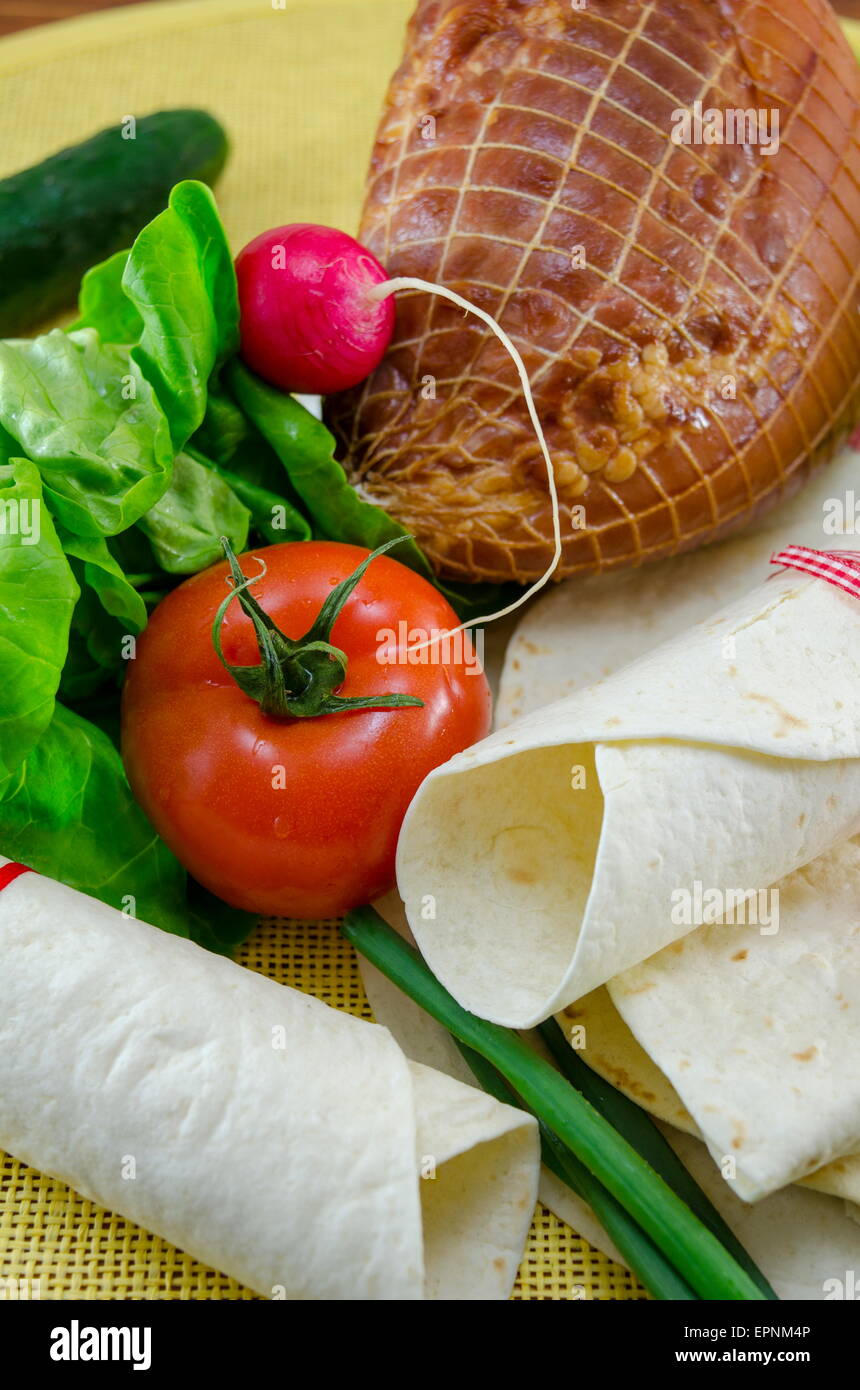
(297,678)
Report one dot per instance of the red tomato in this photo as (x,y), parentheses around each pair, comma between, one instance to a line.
(292,816)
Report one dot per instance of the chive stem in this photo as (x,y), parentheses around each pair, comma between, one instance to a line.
(648,1264)
(695,1251)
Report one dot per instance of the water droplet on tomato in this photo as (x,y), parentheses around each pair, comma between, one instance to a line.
(281,827)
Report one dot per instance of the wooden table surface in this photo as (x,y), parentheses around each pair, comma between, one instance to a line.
(24,14)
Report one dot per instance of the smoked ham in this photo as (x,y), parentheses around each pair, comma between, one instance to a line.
(687,307)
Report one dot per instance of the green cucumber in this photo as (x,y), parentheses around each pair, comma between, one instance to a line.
(83,204)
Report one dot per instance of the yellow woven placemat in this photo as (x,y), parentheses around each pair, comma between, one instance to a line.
(299,88)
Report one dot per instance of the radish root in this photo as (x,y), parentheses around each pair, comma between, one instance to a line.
(409,282)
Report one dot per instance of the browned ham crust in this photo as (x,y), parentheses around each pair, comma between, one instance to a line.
(515,132)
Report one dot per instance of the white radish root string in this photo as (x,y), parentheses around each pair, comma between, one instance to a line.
(409,282)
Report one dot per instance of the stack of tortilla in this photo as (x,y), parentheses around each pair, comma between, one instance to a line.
(668,858)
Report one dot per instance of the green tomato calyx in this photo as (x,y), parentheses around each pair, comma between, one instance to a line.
(297,678)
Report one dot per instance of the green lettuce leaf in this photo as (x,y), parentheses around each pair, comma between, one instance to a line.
(104,305)
(82,411)
(180,279)
(228,441)
(103,420)
(82,676)
(93,425)
(37,597)
(186,524)
(306,449)
(224,428)
(173,299)
(104,575)
(272,516)
(71,815)
(95,657)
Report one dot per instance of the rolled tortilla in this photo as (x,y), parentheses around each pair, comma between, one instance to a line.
(265,1133)
(803,1240)
(736,773)
(547,859)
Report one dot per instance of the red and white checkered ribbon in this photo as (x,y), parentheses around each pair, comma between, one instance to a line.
(841,568)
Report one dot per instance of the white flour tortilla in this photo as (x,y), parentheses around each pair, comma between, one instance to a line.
(725,759)
(582,630)
(759,1035)
(267,1134)
(806,1243)
(610,1048)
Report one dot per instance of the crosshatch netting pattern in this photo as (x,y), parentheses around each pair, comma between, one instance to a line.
(77,1250)
(551,130)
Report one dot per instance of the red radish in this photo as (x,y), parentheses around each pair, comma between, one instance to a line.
(317,316)
(308,323)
